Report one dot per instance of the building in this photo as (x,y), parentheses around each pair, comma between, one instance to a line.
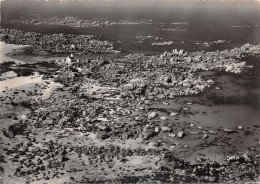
(69,59)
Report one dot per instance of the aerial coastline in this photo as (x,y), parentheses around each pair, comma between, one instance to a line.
(77,108)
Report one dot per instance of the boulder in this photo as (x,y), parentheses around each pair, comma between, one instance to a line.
(205,136)
(103,127)
(163,118)
(181,134)
(152,115)
(167,79)
(174,114)
(160,96)
(181,52)
(148,132)
(47,122)
(165,103)
(152,143)
(165,129)
(212,132)
(157,129)
(147,102)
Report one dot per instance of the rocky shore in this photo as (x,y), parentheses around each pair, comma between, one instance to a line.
(77,22)
(99,124)
(163,43)
(56,44)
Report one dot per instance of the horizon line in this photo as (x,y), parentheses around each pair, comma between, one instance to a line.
(257,1)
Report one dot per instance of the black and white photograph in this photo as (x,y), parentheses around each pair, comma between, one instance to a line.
(129,91)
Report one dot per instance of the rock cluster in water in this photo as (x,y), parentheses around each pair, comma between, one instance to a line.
(57,43)
(76,22)
(163,43)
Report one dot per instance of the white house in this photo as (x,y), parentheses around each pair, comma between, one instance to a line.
(69,59)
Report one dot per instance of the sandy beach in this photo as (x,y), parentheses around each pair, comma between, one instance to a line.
(7,49)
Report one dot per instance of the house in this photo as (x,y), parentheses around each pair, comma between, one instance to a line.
(69,59)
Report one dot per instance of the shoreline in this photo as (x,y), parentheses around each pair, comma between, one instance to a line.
(14,52)
(5,50)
